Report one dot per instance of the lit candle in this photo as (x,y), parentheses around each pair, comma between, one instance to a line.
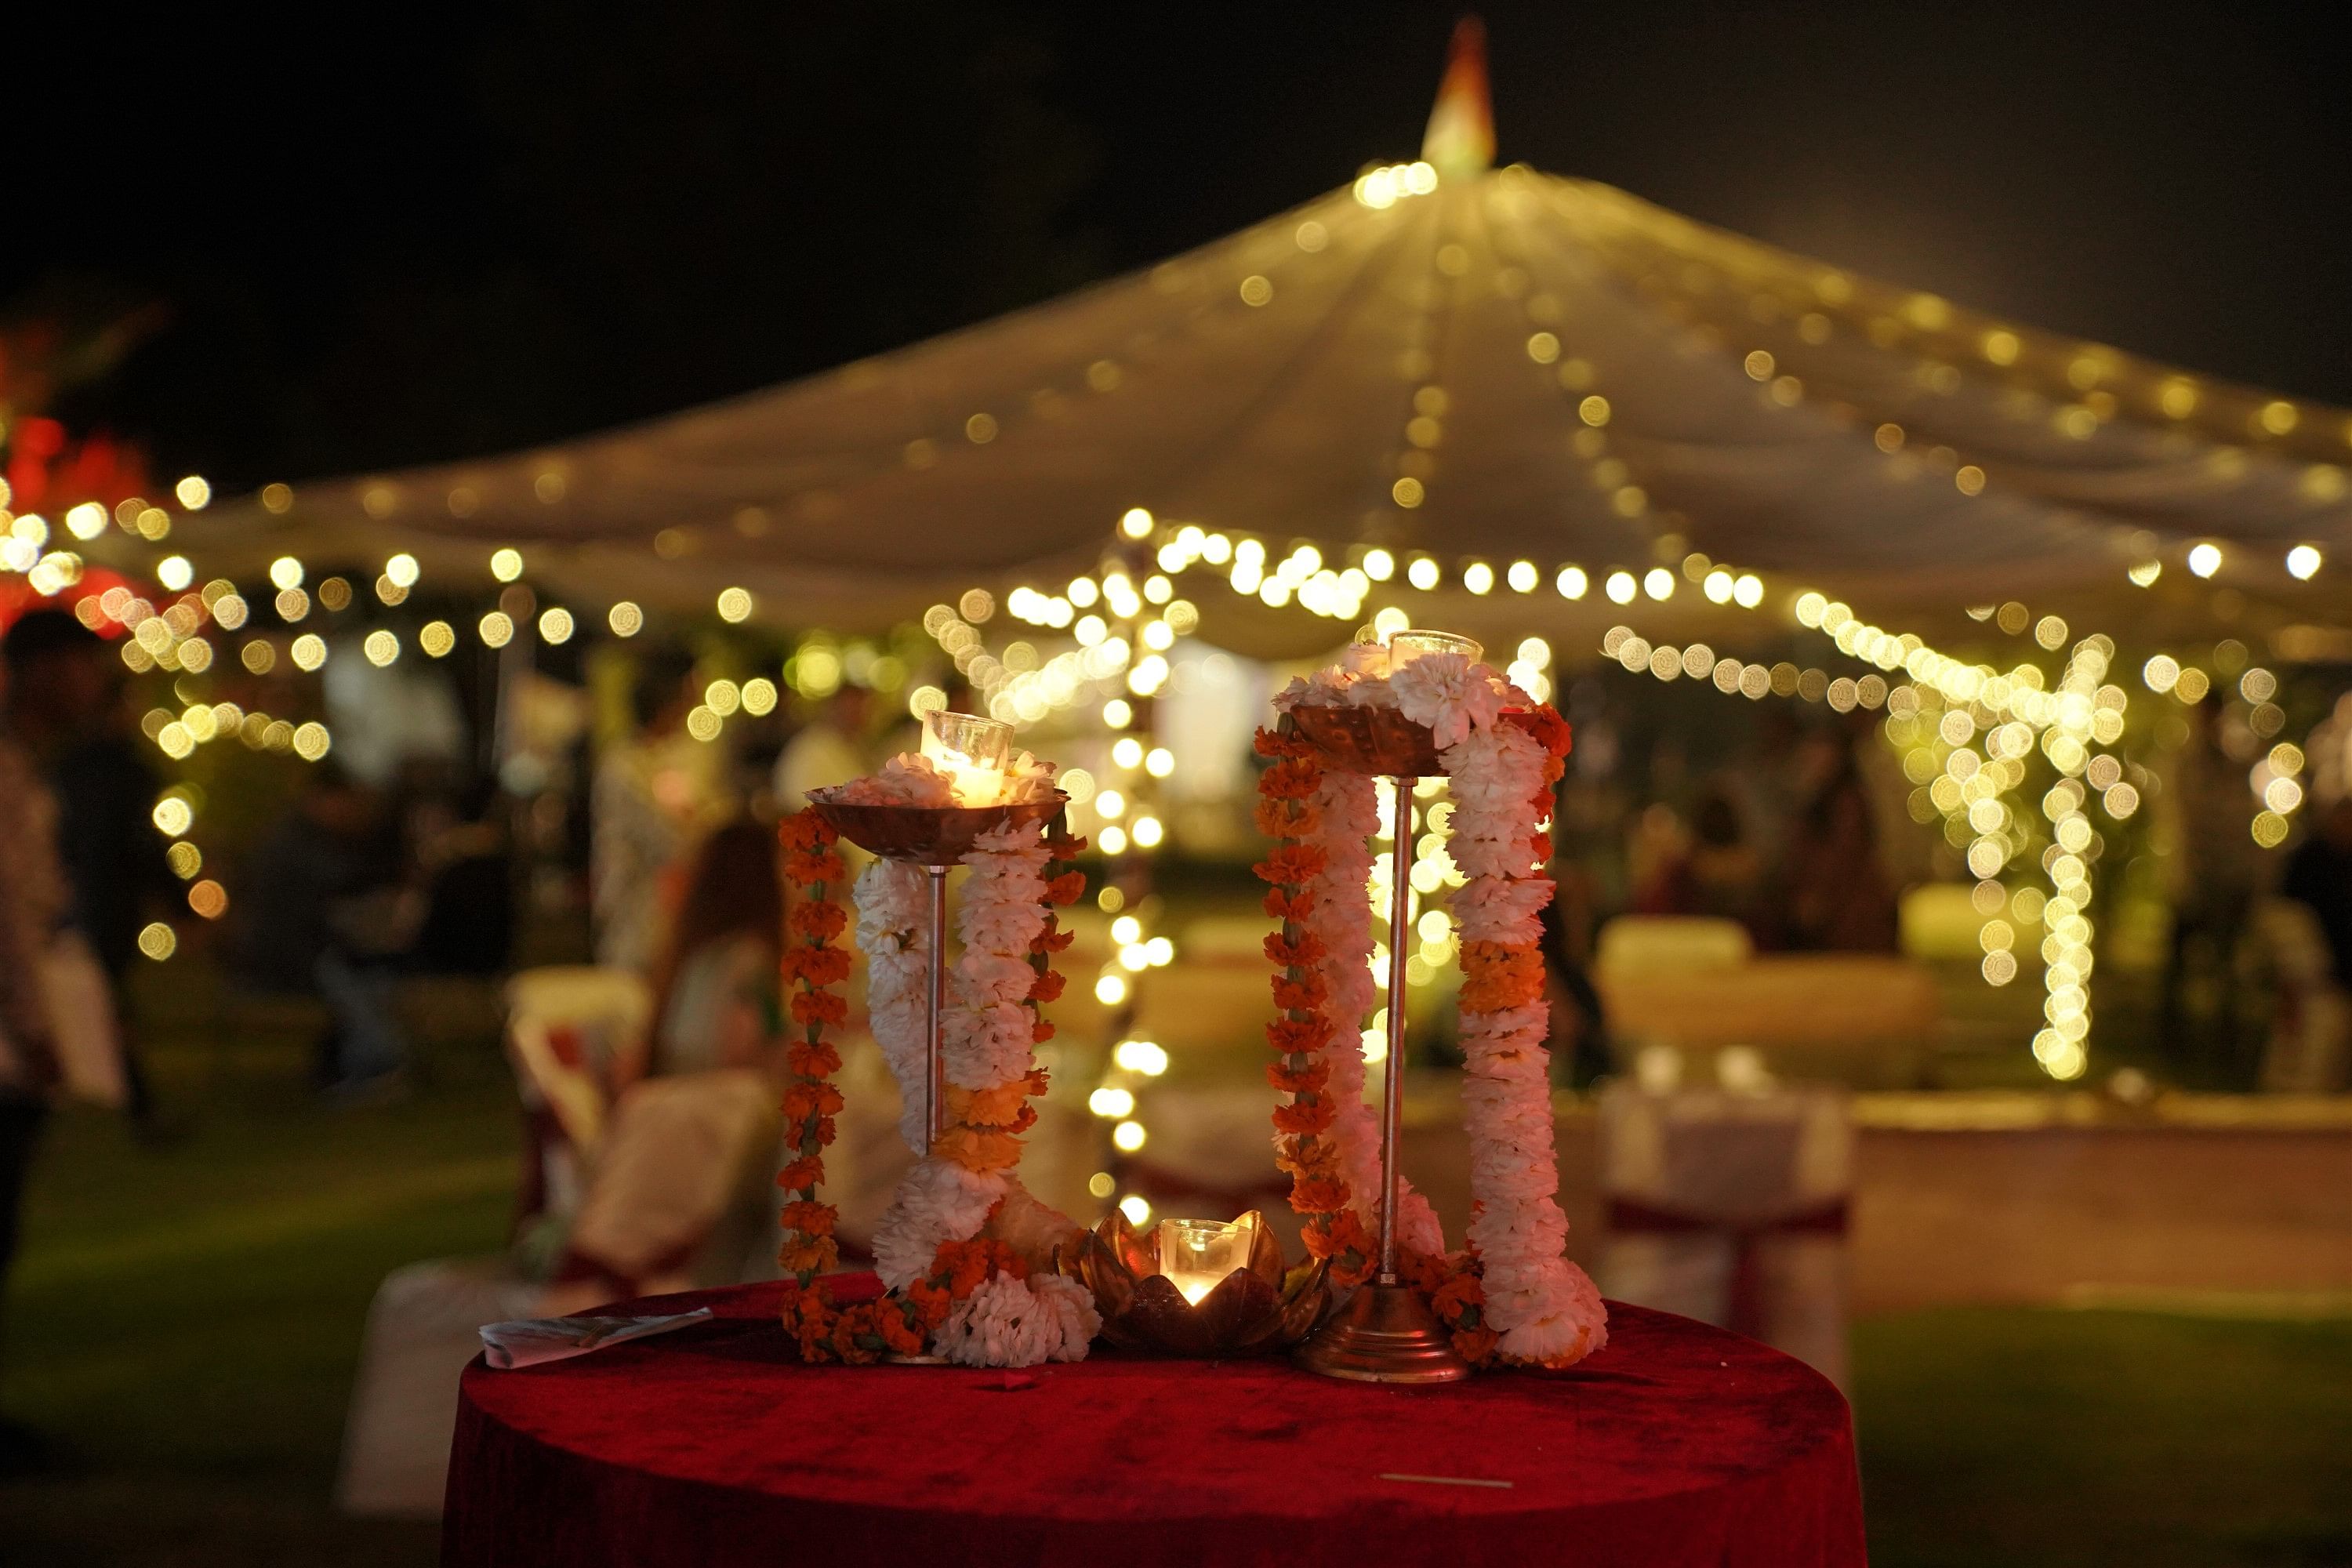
(1197,1254)
(971,752)
(1404,647)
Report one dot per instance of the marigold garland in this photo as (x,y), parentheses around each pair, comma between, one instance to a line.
(1301,1036)
(811,864)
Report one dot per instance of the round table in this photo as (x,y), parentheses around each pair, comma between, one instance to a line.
(713,1446)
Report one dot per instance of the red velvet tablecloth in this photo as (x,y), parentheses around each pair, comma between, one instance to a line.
(713,1447)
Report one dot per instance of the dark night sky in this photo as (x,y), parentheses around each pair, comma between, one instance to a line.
(419,232)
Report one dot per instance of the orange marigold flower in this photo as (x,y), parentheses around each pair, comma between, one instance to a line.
(809,1217)
(823,965)
(1539,848)
(899,1336)
(1495,976)
(855,1340)
(805,831)
(1276,743)
(1291,779)
(1458,1301)
(978,1150)
(811,867)
(1066,888)
(1303,994)
(820,919)
(932,1303)
(1293,820)
(1545,724)
(801,1175)
(1293,952)
(1308,1156)
(1053,941)
(1298,1036)
(1318,1194)
(1047,987)
(1290,864)
(1477,1345)
(818,1007)
(808,1253)
(804,1099)
(1304,1116)
(1299,1080)
(990,1107)
(812,1060)
(1282,905)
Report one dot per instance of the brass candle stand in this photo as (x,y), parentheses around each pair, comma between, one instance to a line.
(1385,1332)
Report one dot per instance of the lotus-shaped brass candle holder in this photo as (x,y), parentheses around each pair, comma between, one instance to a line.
(1258,1308)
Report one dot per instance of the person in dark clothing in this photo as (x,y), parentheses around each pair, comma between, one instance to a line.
(63,707)
(305,921)
(2319,876)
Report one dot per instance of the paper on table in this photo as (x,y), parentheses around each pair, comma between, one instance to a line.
(533,1340)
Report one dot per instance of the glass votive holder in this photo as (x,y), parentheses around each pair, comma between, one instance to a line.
(1197,1254)
(972,752)
(1404,647)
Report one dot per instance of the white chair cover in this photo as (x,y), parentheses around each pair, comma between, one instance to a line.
(1732,1207)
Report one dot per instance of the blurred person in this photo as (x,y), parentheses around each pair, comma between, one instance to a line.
(648,794)
(65,710)
(1833,895)
(2319,877)
(1712,870)
(319,913)
(463,859)
(830,749)
(2215,870)
(2308,933)
(718,996)
(33,902)
(1581,1048)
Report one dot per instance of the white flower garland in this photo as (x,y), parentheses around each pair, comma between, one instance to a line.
(894,933)
(987,1040)
(1543,1308)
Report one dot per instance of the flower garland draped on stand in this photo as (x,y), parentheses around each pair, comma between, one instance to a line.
(1422,706)
(956,1250)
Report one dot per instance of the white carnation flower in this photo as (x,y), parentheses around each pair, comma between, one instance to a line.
(1019,1322)
(1449,694)
(936,1201)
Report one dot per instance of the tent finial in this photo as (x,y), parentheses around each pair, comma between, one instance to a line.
(1460,141)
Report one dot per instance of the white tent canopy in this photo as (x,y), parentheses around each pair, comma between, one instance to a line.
(1421,370)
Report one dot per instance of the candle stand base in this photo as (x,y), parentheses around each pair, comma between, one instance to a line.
(1384,1334)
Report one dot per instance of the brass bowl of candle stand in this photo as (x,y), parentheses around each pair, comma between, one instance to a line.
(928,835)
(1380,740)
(1256,1310)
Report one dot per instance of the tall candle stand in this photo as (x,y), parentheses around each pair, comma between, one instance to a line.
(1385,1332)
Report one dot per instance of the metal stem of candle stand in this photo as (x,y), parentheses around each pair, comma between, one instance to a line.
(934,1008)
(1385,1332)
(1393,1078)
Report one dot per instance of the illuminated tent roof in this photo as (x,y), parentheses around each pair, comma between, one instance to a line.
(1475,363)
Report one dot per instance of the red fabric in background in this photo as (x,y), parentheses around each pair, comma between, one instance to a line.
(713,1447)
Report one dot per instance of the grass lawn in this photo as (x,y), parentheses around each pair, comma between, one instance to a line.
(187,1320)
